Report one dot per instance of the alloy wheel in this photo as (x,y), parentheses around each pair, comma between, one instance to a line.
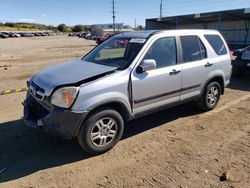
(103,132)
(212,96)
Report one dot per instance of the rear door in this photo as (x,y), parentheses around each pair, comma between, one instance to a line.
(196,66)
(222,58)
(161,86)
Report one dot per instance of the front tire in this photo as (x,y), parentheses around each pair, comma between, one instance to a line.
(210,97)
(101,131)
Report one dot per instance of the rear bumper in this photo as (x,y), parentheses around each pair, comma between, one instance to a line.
(60,122)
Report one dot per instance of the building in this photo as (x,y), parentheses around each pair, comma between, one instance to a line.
(100,29)
(233,24)
(108,26)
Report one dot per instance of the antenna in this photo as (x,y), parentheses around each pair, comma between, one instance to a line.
(113,13)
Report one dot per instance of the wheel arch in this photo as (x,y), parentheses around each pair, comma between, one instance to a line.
(219,79)
(117,105)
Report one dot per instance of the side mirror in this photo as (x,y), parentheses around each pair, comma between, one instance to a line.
(146,65)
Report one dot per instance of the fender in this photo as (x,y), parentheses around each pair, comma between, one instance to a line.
(213,75)
(102,99)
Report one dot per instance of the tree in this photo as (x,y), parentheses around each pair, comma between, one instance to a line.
(9,24)
(140,27)
(87,28)
(127,27)
(62,27)
(51,27)
(78,28)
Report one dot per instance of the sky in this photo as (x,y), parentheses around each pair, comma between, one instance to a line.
(72,12)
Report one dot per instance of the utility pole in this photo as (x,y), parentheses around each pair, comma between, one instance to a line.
(135,23)
(113,13)
(161,9)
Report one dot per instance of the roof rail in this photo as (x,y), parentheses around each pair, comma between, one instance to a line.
(155,32)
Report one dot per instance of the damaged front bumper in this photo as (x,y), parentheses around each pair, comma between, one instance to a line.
(62,122)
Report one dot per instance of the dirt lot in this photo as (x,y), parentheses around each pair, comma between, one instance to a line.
(178,147)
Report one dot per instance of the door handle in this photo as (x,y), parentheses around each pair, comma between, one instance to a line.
(174,72)
(208,64)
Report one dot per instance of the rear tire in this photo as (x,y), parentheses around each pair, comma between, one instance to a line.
(210,97)
(101,131)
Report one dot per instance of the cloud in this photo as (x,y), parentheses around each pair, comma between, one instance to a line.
(43,15)
(26,20)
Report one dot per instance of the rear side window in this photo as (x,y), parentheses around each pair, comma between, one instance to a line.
(193,48)
(217,44)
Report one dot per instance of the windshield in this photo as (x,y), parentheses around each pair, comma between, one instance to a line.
(117,52)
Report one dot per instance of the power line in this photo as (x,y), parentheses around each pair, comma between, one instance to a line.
(161,9)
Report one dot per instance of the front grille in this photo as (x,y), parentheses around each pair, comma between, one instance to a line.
(37,91)
(37,87)
(35,109)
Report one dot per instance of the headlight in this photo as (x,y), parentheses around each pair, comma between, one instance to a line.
(64,97)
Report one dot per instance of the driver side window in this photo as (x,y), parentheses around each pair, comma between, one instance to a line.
(163,51)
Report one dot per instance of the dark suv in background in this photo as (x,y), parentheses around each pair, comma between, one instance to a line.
(242,62)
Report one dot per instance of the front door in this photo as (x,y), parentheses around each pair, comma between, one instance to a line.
(161,86)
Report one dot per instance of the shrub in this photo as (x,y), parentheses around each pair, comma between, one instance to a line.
(78,28)
(62,27)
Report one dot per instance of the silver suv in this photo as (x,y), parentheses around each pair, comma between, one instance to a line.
(127,76)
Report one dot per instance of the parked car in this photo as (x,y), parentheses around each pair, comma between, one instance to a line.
(71,34)
(78,34)
(52,34)
(11,35)
(241,64)
(21,34)
(7,34)
(88,36)
(93,37)
(36,34)
(101,39)
(82,34)
(43,34)
(91,98)
(28,35)
(16,35)
(4,35)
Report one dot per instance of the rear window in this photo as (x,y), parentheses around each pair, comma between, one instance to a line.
(217,44)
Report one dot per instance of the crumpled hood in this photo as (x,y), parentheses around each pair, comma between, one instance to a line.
(68,73)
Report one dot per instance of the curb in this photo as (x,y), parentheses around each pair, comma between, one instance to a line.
(5,66)
(9,91)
